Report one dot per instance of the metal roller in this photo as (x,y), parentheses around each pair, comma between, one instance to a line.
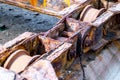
(89,13)
(19,60)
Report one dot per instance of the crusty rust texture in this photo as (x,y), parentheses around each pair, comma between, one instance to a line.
(44,67)
(57,46)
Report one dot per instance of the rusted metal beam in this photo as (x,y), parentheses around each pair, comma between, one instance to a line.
(40,70)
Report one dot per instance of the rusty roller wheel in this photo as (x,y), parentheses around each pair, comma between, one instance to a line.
(19,60)
(118,0)
(89,13)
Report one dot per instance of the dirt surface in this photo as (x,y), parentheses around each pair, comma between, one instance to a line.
(17,21)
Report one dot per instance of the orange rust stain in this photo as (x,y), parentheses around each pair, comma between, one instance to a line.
(34,2)
(117,43)
(86,49)
(92,33)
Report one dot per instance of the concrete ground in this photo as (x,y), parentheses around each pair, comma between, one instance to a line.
(17,21)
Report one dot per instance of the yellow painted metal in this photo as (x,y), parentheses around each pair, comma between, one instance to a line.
(44,3)
(67,2)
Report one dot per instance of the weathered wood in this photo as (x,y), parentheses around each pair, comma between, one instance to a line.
(106,65)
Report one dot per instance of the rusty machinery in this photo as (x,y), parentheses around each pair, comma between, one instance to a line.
(85,28)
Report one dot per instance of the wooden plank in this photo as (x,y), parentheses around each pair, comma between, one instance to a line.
(107,68)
